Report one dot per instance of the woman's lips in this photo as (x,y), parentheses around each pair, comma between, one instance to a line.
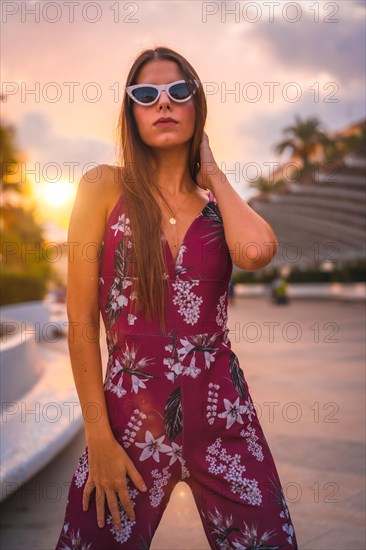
(165,124)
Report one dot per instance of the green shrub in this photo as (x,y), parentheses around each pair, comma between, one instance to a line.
(19,286)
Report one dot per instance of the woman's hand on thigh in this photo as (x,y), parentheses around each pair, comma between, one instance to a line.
(109,465)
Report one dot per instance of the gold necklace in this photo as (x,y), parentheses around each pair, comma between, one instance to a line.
(172,219)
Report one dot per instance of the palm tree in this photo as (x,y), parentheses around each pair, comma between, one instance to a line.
(354,142)
(304,138)
(342,144)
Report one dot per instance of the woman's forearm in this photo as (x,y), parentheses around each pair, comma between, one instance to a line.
(86,362)
(251,241)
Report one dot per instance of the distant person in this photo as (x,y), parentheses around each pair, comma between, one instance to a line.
(279,291)
(174,404)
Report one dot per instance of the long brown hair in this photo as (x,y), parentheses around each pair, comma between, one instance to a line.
(138,185)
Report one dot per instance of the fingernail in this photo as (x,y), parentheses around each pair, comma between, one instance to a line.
(100,523)
(143,487)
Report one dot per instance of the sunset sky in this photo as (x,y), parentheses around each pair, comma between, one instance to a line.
(308,48)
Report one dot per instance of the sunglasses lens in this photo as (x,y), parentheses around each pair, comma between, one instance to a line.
(145,94)
(180,91)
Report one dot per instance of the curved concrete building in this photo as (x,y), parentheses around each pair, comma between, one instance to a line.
(321,217)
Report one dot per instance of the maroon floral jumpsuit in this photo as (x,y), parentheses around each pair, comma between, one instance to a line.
(179,404)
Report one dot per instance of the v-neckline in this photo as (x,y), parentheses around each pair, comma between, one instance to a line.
(185,236)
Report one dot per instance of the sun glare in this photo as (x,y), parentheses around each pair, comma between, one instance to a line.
(58,193)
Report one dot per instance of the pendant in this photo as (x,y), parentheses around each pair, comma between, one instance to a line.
(172,221)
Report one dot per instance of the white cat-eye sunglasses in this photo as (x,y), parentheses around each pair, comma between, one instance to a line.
(148,94)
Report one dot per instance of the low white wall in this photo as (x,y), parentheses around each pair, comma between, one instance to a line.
(20,366)
(36,314)
(40,410)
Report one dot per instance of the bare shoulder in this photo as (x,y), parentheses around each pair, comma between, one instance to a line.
(112,176)
(112,184)
(99,189)
(106,179)
(94,194)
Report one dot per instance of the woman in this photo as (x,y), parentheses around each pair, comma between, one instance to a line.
(174,404)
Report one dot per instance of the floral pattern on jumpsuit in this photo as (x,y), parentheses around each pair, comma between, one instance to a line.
(179,403)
